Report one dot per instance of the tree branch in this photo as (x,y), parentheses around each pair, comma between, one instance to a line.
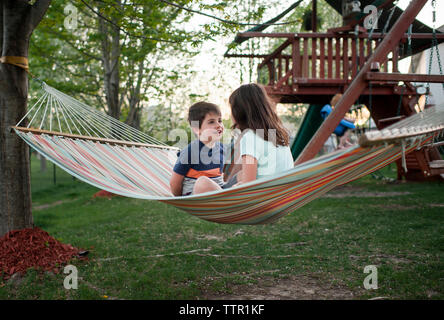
(123,30)
(58,34)
(38,11)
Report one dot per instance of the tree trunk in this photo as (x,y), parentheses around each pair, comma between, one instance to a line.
(111,59)
(17,21)
(135,108)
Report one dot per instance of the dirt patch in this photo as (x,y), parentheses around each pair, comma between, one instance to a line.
(395,207)
(53,204)
(348,191)
(364,194)
(211,237)
(293,288)
(382,258)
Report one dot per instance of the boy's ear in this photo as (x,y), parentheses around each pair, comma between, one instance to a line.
(195,130)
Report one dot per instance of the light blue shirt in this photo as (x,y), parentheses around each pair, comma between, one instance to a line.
(270,159)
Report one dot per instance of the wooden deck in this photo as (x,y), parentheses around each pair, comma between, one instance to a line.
(312,67)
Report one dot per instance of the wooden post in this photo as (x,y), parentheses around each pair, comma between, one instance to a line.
(330,58)
(360,83)
(322,58)
(338,58)
(314,25)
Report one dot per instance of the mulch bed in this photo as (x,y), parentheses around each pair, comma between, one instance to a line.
(33,248)
(104,194)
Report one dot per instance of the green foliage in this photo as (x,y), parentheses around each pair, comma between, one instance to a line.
(156,44)
(307,17)
(295,115)
(150,33)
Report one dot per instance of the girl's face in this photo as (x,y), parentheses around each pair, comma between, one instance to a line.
(212,128)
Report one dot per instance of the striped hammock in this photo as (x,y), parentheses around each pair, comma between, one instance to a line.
(112,156)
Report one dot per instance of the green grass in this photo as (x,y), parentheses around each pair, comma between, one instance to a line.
(147,250)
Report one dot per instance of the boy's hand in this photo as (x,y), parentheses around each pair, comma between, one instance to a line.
(176,183)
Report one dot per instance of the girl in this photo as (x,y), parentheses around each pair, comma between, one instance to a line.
(263,149)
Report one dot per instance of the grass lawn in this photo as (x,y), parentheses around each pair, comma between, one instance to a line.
(147,250)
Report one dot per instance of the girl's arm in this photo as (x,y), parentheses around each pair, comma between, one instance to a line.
(176,183)
(249,169)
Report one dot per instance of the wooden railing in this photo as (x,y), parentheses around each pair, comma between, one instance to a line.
(321,58)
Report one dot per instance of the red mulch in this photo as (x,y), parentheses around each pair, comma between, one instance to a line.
(32,247)
(104,194)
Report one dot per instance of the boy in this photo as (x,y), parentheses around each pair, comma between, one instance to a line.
(342,129)
(204,156)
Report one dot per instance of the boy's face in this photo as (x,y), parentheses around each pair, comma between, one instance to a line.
(211,129)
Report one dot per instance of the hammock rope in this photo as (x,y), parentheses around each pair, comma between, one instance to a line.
(113,156)
(70,115)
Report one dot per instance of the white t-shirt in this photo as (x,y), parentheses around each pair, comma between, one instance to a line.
(270,159)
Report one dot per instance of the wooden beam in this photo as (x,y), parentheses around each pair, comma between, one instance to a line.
(410,77)
(240,55)
(314,13)
(359,83)
(94,139)
(275,53)
(375,35)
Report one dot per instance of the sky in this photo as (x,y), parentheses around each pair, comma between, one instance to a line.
(425,15)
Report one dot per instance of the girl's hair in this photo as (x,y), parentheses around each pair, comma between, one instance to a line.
(251,108)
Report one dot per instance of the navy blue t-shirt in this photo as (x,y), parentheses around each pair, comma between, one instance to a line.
(198,160)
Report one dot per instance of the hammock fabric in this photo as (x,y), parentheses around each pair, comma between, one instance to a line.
(142,169)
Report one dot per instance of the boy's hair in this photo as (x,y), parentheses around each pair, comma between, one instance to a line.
(335,99)
(199,110)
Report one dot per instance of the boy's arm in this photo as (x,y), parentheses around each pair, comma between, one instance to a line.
(176,182)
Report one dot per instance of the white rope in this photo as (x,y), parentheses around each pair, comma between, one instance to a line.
(404,161)
(35,113)
(63,108)
(85,124)
(123,132)
(29,111)
(57,116)
(56,109)
(50,116)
